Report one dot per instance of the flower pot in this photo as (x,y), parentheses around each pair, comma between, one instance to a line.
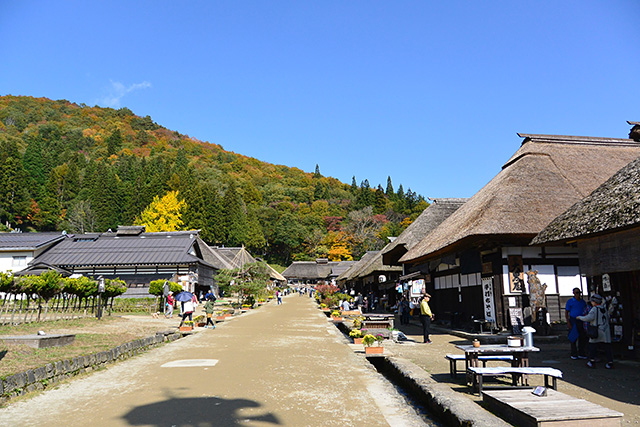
(186,328)
(373,350)
(200,324)
(337,319)
(357,340)
(220,318)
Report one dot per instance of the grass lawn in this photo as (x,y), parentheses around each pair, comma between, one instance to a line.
(92,336)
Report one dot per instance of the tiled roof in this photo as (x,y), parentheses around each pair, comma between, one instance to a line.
(111,249)
(27,241)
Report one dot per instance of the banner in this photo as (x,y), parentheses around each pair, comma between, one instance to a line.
(487,299)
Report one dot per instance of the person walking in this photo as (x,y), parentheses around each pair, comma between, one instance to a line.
(279,297)
(599,317)
(170,302)
(575,307)
(188,307)
(426,316)
(209,308)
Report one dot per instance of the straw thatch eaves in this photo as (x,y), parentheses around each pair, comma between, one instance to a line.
(356,268)
(376,266)
(615,205)
(542,179)
(428,220)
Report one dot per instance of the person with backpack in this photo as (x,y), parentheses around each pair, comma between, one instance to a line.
(598,318)
(209,308)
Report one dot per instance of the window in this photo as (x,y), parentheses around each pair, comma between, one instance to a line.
(19,261)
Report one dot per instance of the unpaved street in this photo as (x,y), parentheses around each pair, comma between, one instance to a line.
(278,365)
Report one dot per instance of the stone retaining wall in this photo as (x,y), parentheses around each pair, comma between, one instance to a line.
(45,376)
(449,406)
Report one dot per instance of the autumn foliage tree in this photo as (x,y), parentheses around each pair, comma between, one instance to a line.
(163,214)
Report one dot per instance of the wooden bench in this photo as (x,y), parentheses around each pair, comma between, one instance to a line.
(516,375)
(455,358)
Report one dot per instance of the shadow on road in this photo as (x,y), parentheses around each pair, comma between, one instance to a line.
(200,411)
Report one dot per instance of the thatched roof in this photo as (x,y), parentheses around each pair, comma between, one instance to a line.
(310,270)
(356,268)
(612,206)
(542,179)
(375,266)
(274,275)
(428,220)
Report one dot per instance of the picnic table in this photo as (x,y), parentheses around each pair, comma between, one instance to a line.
(520,355)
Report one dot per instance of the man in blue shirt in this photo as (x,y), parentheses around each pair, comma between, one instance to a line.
(575,307)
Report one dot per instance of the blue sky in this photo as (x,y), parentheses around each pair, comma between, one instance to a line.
(430,93)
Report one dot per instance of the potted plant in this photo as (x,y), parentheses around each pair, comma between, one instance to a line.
(187,326)
(220,316)
(336,316)
(324,307)
(368,340)
(356,334)
(357,321)
(199,321)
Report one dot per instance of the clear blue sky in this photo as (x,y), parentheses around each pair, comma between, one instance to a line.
(431,93)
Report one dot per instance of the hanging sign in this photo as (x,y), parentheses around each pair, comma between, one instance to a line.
(487,299)
(417,288)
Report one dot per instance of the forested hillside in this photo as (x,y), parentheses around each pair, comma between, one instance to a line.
(77,168)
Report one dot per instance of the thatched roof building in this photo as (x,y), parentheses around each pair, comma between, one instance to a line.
(315,271)
(542,179)
(428,220)
(615,205)
(355,269)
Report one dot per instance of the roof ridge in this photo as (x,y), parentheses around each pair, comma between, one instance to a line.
(571,139)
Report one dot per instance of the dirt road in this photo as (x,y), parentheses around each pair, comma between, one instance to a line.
(279,365)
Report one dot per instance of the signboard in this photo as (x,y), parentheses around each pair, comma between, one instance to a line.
(516,274)
(517,321)
(487,299)
(417,288)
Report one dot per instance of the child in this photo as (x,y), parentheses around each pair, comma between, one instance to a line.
(208,308)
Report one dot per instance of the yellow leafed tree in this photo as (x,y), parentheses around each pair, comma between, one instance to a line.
(163,214)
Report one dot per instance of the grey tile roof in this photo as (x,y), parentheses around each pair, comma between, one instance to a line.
(27,241)
(111,249)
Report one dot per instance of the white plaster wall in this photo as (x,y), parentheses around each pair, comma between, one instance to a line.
(6,261)
(569,278)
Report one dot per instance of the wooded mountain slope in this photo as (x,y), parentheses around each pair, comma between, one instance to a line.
(77,168)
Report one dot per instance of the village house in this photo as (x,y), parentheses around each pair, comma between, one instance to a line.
(320,271)
(411,284)
(17,250)
(371,276)
(604,228)
(134,256)
(475,263)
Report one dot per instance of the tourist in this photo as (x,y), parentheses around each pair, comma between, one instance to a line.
(188,307)
(426,316)
(169,306)
(209,308)
(575,307)
(279,297)
(403,310)
(599,317)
